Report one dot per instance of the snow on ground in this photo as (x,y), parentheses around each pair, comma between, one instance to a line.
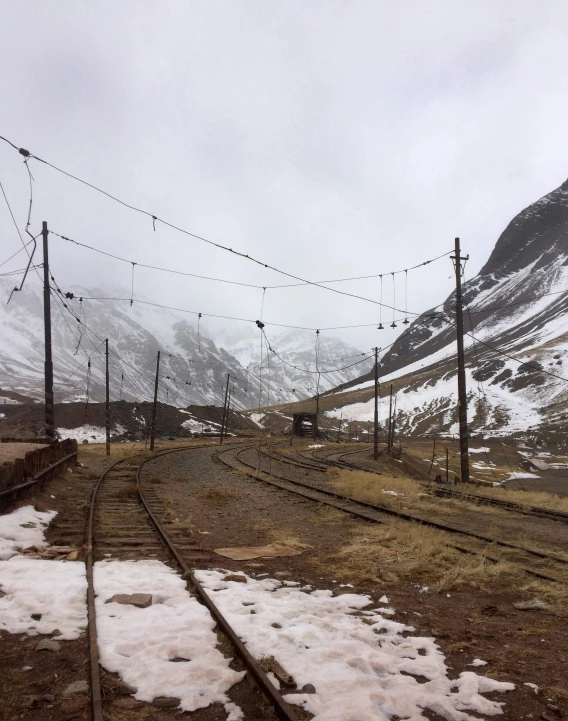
(23,528)
(317,445)
(480,450)
(515,474)
(55,589)
(93,434)
(257,418)
(360,669)
(141,643)
(522,408)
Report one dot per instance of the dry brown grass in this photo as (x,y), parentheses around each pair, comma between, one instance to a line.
(420,554)
(328,514)
(392,491)
(525,498)
(279,536)
(554,693)
(130,490)
(186,522)
(217,496)
(285,538)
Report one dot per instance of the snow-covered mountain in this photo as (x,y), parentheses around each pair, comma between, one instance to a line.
(193,368)
(291,368)
(515,308)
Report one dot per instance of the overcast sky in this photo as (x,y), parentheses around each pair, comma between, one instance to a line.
(329,139)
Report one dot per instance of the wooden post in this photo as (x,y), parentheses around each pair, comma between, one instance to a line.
(462,390)
(376,416)
(433,456)
(107,402)
(155,406)
(447,465)
(389,436)
(49,418)
(224,409)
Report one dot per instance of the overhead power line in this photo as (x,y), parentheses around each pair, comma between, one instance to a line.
(27,154)
(234,282)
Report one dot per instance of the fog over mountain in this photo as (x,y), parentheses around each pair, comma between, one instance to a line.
(193,366)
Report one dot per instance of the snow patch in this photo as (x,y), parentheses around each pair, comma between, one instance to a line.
(357,673)
(23,528)
(141,643)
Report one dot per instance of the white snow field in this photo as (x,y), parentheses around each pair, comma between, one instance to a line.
(55,589)
(23,528)
(141,643)
(358,666)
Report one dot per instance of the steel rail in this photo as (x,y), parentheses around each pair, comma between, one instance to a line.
(96,695)
(398,514)
(527,510)
(281,707)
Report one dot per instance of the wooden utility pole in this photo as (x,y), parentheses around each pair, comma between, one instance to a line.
(433,456)
(393,424)
(228,412)
(339,429)
(447,465)
(107,404)
(155,406)
(376,427)
(224,409)
(462,390)
(389,435)
(48,368)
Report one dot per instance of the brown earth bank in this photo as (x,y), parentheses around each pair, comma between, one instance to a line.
(221,508)
(28,420)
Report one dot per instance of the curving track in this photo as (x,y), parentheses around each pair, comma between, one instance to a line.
(541,565)
(127,520)
(335,458)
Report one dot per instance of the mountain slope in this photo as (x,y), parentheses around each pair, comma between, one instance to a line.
(515,308)
(291,370)
(193,367)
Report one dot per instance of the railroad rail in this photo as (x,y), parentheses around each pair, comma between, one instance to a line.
(440,491)
(141,526)
(534,563)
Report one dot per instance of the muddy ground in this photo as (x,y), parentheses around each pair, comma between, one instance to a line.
(220,508)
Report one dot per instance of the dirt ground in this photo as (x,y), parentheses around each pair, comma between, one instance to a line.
(220,508)
(11,451)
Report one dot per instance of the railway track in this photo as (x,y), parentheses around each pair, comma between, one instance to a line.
(535,563)
(127,520)
(524,509)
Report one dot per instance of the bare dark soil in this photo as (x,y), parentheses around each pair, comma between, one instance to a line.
(28,420)
(230,509)
(219,508)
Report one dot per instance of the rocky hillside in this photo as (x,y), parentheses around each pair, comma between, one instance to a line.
(193,367)
(517,350)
